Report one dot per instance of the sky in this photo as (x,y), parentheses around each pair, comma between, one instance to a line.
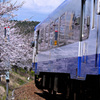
(36,10)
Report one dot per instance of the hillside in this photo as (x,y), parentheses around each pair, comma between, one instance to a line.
(25,27)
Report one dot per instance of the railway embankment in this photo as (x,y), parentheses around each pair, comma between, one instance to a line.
(17,80)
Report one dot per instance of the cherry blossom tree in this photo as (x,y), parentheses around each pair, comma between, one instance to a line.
(18,49)
(7,9)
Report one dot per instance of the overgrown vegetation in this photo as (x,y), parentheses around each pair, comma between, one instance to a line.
(20,81)
(23,72)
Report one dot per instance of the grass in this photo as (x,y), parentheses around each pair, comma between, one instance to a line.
(20,81)
(31,73)
(23,71)
(4,97)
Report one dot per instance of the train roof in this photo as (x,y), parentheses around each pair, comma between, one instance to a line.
(67,5)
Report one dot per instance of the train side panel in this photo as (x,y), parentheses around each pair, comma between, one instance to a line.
(63,57)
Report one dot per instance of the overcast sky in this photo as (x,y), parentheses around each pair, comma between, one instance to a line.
(36,10)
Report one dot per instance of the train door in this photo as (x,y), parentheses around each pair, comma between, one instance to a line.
(88,65)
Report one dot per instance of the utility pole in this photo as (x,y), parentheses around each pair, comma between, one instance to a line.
(7,84)
(7,66)
(5,70)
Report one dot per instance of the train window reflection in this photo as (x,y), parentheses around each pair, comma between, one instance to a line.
(67,27)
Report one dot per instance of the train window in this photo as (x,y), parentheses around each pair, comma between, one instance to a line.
(62,30)
(62,24)
(88,21)
(85,34)
(72,30)
(51,27)
(77,21)
(56,24)
(46,37)
(51,35)
(65,29)
(41,40)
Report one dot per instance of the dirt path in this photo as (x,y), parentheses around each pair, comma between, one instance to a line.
(28,92)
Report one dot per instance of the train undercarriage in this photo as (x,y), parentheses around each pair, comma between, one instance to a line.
(70,89)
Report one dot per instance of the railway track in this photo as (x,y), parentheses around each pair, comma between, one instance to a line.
(77,90)
(30,92)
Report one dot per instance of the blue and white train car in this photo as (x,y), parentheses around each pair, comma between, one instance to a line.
(66,53)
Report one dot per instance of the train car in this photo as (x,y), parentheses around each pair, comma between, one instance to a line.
(66,52)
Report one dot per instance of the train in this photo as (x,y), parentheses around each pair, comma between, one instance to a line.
(66,51)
